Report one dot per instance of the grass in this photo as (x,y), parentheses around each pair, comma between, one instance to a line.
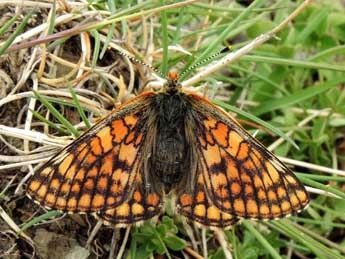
(291,88)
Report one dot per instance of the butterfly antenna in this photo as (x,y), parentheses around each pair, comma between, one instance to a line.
(137,61)
(205,60)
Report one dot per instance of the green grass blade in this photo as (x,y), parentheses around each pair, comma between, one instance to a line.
(51,124)
(57,114)
(48,215)
(321,186)
(297,97)
(79,108)
(20,28)
(8,24)
(293,62)
(262,240)
(96,46)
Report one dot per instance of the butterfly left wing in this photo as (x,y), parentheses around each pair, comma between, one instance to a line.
(97,171)
(242,178)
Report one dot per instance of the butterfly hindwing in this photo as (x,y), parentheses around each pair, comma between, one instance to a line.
(197,206)
(98,170)
(242,178)
(141,205)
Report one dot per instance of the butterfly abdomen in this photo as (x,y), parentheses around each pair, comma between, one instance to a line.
(168,159)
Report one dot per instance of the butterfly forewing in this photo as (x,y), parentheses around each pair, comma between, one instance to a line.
(241,177)
(97,171)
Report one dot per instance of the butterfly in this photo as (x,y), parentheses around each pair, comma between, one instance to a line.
(169,141)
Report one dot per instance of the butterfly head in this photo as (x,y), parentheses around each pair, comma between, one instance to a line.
(172,85)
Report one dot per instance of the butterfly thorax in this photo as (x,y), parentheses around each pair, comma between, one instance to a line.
(168,160)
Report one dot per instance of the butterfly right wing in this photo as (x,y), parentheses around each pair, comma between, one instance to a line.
(241,176)
(98,170)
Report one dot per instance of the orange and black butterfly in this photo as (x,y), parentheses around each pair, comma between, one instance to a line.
(163,142)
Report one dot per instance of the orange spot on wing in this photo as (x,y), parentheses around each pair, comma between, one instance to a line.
(110,200)
(123,210)
(272,172)
(65,187)
(264,210)
(302,196)
(209,138)
(137,209)
(137,196)
(281,192)
(98,200)
(200,210)
(235,188)
(46,171)
(152,199)
(252,208)
(234,139)
(89,184)
(42,191)
(131,120)
(84,202)
(107,165)
(220,133)
(231,170)
(239,206)
(64,166)
(71,204)
(261,194)
(285,205)
(75,188)
(93,172)
(210,123)
(200,197)
(105,138)
(80,174)
(275,210)
(119,130)
(272,195)
(96,147)
(90,158)
(186,200)
(55,184)
(139,139)
(50,199)
(243,151)
(60,203)
(227,205)
(248,190)
(213,213)
(212,155)
(128,153)
(82,151)
(34,185)
(102,183)
(130,137)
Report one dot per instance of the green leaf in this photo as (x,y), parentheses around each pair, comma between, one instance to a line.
(175,243)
